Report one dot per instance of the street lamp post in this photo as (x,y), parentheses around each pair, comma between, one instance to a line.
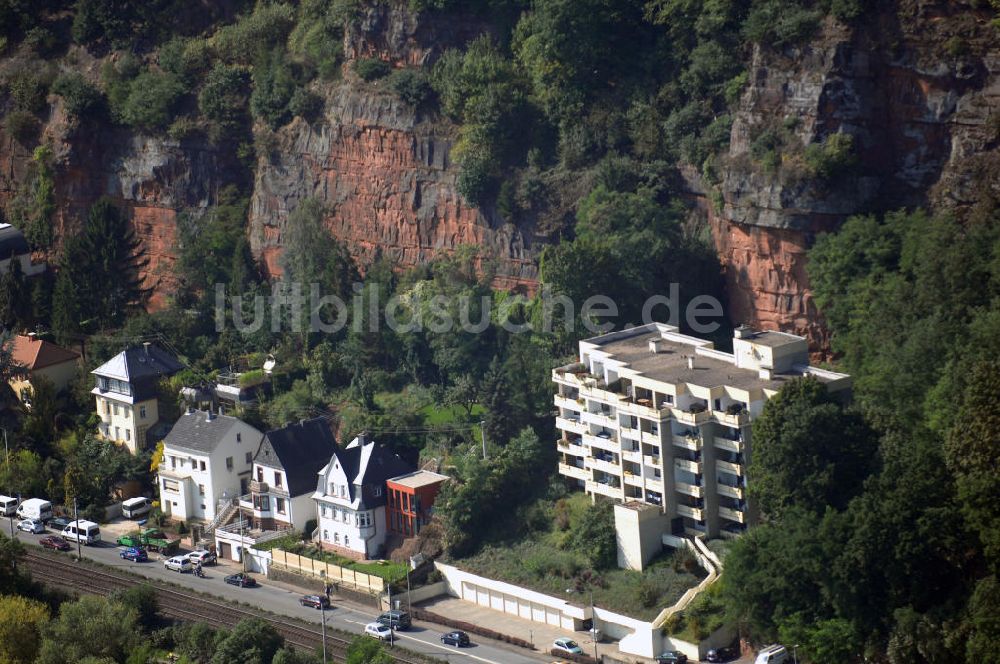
(795,653)
(593,623)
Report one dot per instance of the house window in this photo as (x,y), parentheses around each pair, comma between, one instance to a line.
(203,506)
(332,491)
(377,491)
(279,505)
(118,433)
(326,536)
(128,434)
(336,538)
(345,516)
(277,478)
(239,438)
(260,474)
(203,465)
(142,412)
(343,491)
(116,410)
(323,512)
(107,408)
(249,457)
(364,519)
(171,485)
(229,464)
(201,489)
(173,463)
(262,503)
(127,412)
(347,540)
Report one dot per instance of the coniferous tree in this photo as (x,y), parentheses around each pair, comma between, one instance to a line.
(116,260)
(15,307)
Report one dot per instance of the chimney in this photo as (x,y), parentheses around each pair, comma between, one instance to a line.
(744,332)
(190,410)
(32,335)
(654,346)
(209,415)
(221,410)
(691,362)
(765,373)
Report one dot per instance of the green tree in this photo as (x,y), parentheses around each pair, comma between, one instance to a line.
(21,623)
(970,452)
(312,255)
(224,97)
(22,474)
(273,86)
(983,644)
(367,651)
(594,535)
(90,627)
(252,641)
(141,599)
(9,367)
(15,303)
(808,451)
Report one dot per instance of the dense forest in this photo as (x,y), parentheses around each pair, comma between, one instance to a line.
(879,539)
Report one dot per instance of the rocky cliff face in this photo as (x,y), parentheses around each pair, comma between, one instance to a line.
(918,86)
(920,92)
(385,178)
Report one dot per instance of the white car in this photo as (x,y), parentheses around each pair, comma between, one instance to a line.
(31,526)
(178,564)
(567,645)
(201,556)
(378,631)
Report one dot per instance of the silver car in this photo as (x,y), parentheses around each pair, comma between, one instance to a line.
(178,564)
(31,526)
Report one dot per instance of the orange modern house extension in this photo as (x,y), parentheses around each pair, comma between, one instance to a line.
(410,501)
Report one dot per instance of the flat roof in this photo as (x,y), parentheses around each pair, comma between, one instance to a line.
(772,339)
(670,364)
(417,479)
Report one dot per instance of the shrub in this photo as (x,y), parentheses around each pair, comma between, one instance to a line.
(93,512)
(182,528)
(151,100)
(187,59)
(28,89)
(223,98)
(305,104)
(371,69)
(41,40)
(476,180)
(779,22)
(254,34)
(831,158)
(273,85)
(79,95)
(411,85)
(23,126)
(183,127)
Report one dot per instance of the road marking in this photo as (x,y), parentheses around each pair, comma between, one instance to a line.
(432,643)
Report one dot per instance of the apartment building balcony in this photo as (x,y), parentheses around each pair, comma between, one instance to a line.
(605,465)
(610,490)
(571,425)
(654,484)
(687,442)
(651,460)
(730,491)
(574,375)
(600,419)
(736,420)
(688,465)
(690,512)
(635,456)
(732,515)
(727,444)
(571,446)
(650,438)
(689,489)
(728,467)
(572,403)
(693,419)
(576,472)
(732,531)
(608,443)
(633,479)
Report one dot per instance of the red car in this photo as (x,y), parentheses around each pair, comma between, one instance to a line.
(52,542)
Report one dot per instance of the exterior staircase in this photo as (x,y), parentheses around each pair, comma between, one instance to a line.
(223,516)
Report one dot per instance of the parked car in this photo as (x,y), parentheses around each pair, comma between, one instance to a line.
(241,579)
(671,657)
(31,526)
(379,631)
(178,564)
(395,619)
(774,654)
(60,522)
(202,556)
(133,554)
(566,644)
(317,601)
(53,542)
(456,638)
(716,655)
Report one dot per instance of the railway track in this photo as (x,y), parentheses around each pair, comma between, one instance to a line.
(182,605)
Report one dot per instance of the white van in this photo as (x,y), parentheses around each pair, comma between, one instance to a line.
(136,507)
(7,505)
(85,532)
(35,508)
(772,655)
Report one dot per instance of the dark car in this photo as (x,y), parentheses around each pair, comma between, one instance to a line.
(456,638)
(134,554)
(395,619)
(671,657)
(53,542)
(242,580)
(716,655)
(59,523)
(316,601)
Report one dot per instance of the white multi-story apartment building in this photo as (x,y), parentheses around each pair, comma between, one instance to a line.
(207,459)
(652,417)
(351,497)
(125,393)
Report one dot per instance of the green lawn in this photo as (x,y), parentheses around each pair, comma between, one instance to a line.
(389,571)
(542,561)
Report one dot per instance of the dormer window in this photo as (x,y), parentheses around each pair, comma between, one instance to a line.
(377,491)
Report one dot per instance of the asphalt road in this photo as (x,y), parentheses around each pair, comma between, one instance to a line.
(344,615)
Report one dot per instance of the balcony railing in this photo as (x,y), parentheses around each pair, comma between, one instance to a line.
(727,444)
(575,472)
(688,465)
(633,479)
(728,467)
(690,489)
(257,486)
(731,419)
(691,512)
(732,515)
(731,491)
(687,417)
(687,442)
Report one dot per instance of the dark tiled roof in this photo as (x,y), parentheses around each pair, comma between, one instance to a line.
(301,450)
(374,469)
(12,242)
(195,432)
(142,367)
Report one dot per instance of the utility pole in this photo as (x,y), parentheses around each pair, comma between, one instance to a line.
(76,517)
(593,624)
(482,430)
(408,606)
(388,587)
(322,611)
(243,545)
